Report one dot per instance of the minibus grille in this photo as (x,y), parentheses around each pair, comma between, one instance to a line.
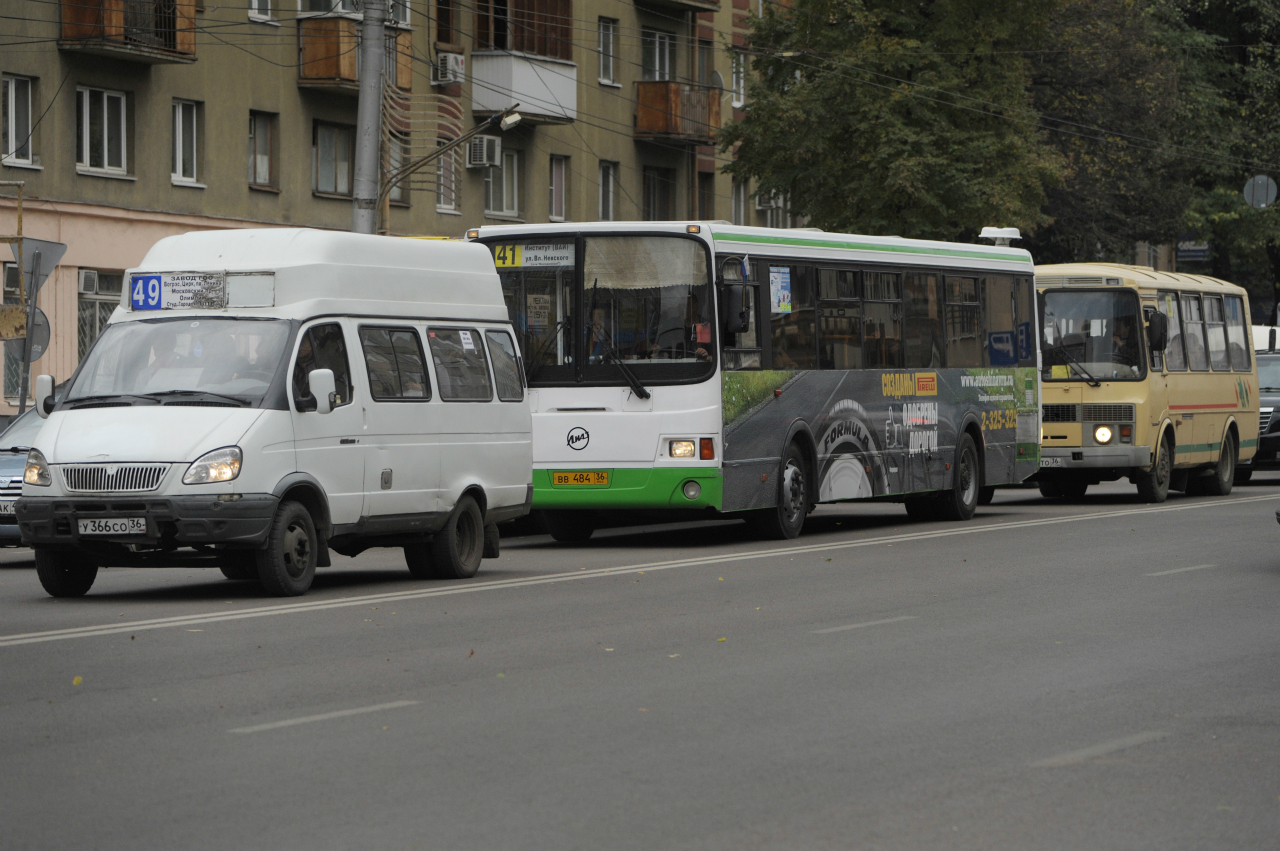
(1108,413)
(1062,413)
(1264,419)
(113,478)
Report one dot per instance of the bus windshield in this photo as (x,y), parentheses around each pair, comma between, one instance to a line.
(1091,335)
(232,360)
(642,305)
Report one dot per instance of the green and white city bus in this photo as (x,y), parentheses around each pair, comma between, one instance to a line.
(757,372)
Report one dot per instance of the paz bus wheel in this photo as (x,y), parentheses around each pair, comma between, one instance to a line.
(1153,484)
(1224,474)
(961,501)
(65,573)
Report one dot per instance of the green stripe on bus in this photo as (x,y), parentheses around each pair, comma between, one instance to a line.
(1249,444)
(862,246)
(629,487)
(1197,447)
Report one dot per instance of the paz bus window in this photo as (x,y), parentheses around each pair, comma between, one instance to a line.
(1236,333)
(1216,331)
(964,322)
(1193,333)
(1092,333)
(1175,358)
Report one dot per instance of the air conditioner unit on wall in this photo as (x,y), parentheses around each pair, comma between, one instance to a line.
(768,202)
(449,68)
(88,280)
(484,151)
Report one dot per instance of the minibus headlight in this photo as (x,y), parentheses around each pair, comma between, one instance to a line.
(1102,434)
(37,472)
(681,449)
(220,465)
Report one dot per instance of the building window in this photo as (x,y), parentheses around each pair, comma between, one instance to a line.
(739,212)
(659,186)
(100,130)
(559,174)
(739,95)
(15,120)
(608,188)
(608,29)
(334,149)
(538,27)
(99,295)
(184,141)
(13,348)
(260,9)
(332,6)
(706,62)
(398,153)
(706,197)
(447,177)
(657,55)
(501,195)
(444,21)
(398,11)
(262,149)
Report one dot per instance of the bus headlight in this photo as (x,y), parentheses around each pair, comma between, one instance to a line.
(681,449)
(37,472)
(1102,434)
(220,465)
(692,490)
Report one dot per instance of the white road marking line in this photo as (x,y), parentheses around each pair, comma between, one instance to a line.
(498,584)
(1182,570)
(343,713)
(861,625)
(1086,754)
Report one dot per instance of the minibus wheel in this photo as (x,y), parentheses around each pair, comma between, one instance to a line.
(65,573)
(288,564)
(961,501)
(1224,474)
(1153,484)
(458,547)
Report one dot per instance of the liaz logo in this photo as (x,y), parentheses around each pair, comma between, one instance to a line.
(578,438)
(897,384)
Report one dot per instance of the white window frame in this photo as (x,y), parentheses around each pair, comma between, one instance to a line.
(606,44)
(321,127)
(12,126)
(180,109)
(558,210)
(739,88)
(661,46)
(398,152)
(507,182)
(739,212)
(398,12)
(260,10)
(258,120)
(447,178)
(608,189)
(83,96)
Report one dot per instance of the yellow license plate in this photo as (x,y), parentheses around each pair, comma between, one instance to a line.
(581,477)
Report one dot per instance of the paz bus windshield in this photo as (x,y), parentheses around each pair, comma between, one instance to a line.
(1091,334)
(641,301)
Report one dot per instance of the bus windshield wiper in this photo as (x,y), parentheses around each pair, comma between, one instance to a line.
(611,350)
(536,364)
(158,394)
(1089,379)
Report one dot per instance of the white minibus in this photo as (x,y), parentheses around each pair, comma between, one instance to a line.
(263,397)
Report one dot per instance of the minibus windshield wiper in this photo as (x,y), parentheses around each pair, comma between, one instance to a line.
(239,401)
(17,449)
(76,401)
(1089,379)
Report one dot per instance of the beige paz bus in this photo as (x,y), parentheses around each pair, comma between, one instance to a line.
(1146,375)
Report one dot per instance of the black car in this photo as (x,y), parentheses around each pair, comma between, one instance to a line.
(15,441)
(1268,417)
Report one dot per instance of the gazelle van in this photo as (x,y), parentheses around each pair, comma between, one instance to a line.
(263,397)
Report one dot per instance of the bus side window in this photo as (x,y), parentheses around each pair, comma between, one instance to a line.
(1157,358)
(1193,325)
(923,307)
(791,315)
(1001,341)
(742,350)
(1024,296)
(882,320)
(839,320)
(964,322)
(1216,331)
(1175,359)
(1237,336)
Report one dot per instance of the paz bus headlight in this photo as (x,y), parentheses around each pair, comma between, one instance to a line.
(37,472)
(1102,434)
(220,465)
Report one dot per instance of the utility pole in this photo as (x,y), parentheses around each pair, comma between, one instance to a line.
(364,210)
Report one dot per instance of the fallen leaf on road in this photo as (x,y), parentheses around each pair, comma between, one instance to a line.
(502,675)
(472,653)
(195,630)
(722,639)
(77,681)
(673,656)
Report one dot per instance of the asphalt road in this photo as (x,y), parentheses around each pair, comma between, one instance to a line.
(1051,676)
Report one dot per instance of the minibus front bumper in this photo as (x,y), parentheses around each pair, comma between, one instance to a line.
(170,521)
(1120,456)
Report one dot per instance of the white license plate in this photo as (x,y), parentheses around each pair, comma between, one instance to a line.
(1050,462)
(6,507)
(114,526)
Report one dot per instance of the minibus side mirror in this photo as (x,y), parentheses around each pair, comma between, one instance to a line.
(1157,331)
(736,318)
(322,389)
(44,396)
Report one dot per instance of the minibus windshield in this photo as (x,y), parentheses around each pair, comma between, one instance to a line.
(218,360)
(1268,373)
(1091,335)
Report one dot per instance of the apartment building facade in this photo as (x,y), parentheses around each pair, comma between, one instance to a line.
(131,120)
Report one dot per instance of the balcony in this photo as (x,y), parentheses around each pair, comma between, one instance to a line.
(329,55)
(677,112)
(545,88)
(152,32)
(682,5)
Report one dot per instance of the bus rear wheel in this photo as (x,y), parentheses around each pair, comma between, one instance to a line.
(785,520)
(961,500)
(1224,474)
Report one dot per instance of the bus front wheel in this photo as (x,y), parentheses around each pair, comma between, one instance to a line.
(785,520)
(961,501)
(1153,485)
